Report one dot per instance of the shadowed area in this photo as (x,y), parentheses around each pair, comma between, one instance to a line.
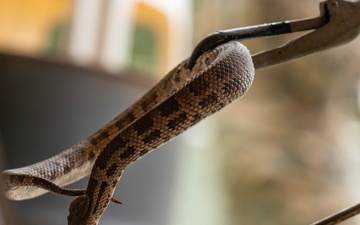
(46,107)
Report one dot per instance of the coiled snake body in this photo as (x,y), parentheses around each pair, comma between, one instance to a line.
(177,102)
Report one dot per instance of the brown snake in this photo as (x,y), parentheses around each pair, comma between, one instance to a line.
(177,102)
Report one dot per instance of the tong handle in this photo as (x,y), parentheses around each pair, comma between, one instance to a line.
(343,26)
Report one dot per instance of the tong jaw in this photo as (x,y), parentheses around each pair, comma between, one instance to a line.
(343,26)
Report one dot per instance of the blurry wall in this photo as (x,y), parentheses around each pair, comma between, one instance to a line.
(34,27)
(156,33)
(146,35)
(290,147)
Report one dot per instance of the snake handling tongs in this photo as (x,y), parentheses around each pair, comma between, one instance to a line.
(338,23)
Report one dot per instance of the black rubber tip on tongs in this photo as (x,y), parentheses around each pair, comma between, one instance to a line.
(263,30)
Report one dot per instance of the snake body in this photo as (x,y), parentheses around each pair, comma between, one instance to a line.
(180,100)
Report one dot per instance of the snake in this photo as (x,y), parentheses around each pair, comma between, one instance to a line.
(180,100)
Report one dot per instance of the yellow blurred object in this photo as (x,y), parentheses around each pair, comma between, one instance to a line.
(156,21)
(26,25)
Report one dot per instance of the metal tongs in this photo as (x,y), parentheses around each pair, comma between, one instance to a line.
(338,23)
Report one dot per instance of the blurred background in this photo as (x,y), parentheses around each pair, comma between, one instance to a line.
(286,153)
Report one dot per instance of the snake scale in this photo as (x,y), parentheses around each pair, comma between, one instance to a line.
(180,100)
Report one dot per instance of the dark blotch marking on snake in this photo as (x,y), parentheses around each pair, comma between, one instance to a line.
(111,170)
(113,146)
(171,106)
(103,186)
(93,182)
(152,136)
(207,100)
(130,150)
(199,86)
(227,88)
(172,124)
(143,124)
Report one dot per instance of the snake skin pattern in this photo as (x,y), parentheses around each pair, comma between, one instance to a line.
(179,101)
